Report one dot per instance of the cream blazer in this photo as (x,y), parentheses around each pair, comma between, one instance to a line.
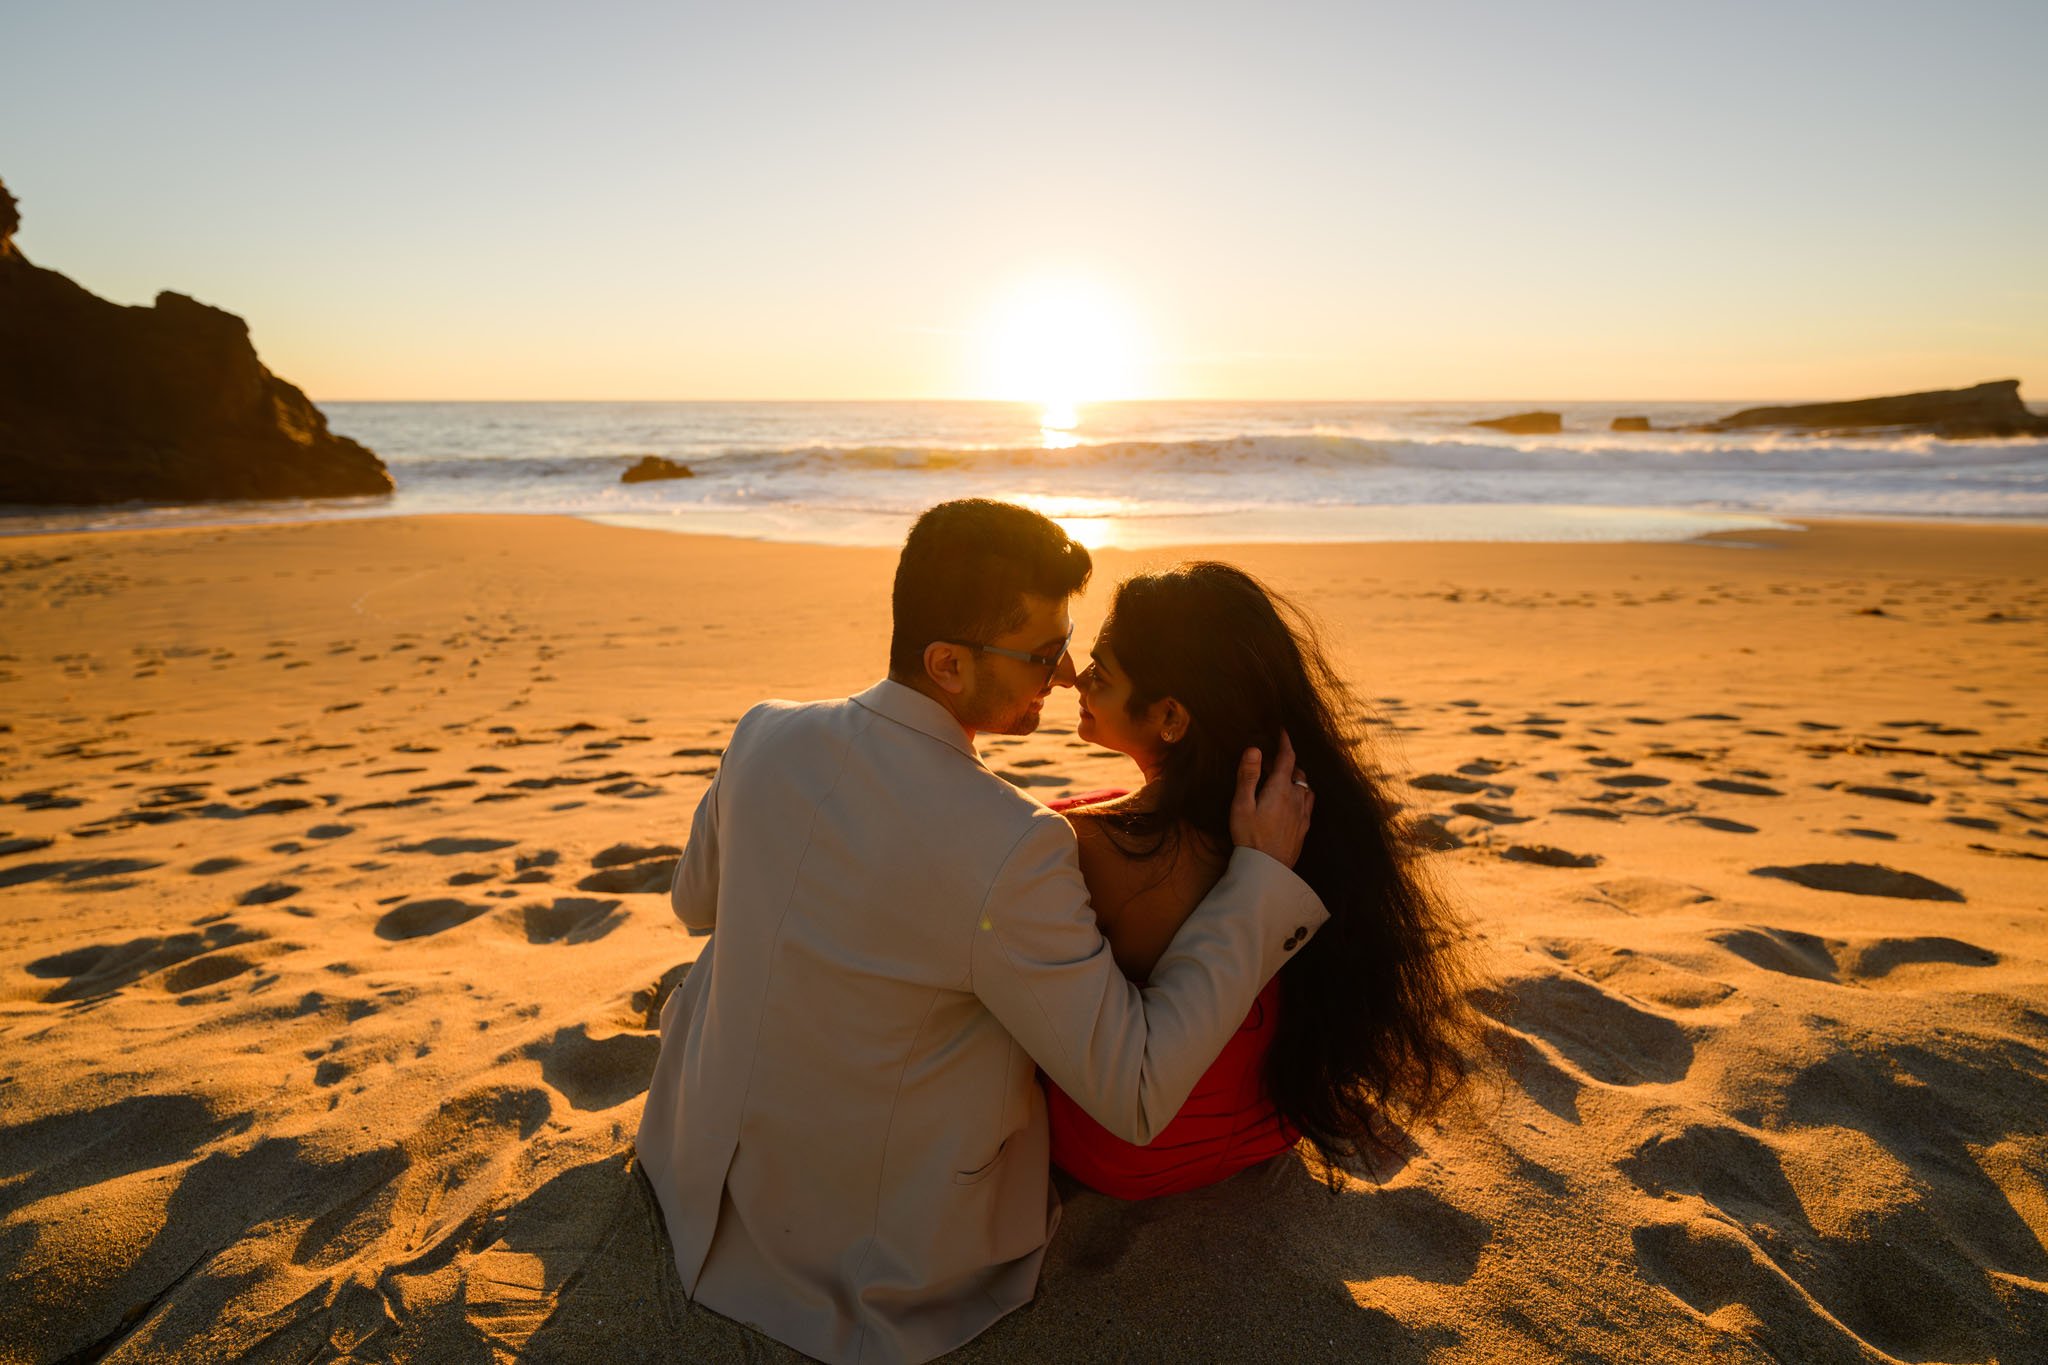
(844,1129)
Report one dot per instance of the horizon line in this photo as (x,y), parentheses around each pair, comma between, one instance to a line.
(1124,402)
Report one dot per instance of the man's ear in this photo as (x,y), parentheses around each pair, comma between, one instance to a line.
(947,667)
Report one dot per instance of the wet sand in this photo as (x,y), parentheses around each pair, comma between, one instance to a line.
(332,934)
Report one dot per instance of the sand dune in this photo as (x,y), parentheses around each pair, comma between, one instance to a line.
(331,861)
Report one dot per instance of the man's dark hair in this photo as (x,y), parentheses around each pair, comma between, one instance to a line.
(965,569)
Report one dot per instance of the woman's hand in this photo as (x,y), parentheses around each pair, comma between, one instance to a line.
(1272,818)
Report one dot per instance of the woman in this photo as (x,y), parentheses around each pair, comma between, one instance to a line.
(1368,1026)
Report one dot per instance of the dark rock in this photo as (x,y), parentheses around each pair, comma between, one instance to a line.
(655,467)
(103,403)
(1630,424)
(1527,423)
(1989,409)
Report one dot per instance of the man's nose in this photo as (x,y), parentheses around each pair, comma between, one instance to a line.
(1063,672)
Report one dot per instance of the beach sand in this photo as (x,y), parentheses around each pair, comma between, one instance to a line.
(332,933)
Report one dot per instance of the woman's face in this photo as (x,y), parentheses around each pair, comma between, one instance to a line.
(1105,714)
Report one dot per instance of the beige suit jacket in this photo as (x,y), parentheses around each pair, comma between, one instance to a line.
(844,1129)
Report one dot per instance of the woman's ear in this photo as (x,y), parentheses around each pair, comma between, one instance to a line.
(946,667)
(1171,718)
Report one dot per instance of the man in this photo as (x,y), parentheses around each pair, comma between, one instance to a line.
(844,1128)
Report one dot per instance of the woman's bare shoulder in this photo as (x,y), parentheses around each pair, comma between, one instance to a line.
(1140,900)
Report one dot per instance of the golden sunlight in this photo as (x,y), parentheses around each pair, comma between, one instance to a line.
(1059,343)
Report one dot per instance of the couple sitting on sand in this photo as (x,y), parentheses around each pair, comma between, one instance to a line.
(923,987)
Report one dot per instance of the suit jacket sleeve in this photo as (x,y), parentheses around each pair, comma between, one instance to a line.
(1129,1055)
(694,893)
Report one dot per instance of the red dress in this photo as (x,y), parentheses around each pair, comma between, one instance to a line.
(1227,1124)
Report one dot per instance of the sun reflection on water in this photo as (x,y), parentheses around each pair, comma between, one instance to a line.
(1058,420)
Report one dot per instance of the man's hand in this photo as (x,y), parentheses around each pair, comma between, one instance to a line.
(1272,818)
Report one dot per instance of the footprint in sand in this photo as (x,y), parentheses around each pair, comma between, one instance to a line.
(1862,879)
(1880,957)
(615,856)
(633,789)
(1733,788)
(1785,951)
(79,874)
(1734,1171)
(1715,822)
(1587,812)
(642,1008)
(1625,780)
(1604,1036)
(1444,782)
(651,877)
(102,969)
(1893,794)
(1492,814)
(1647,895)
(200,972)
(418,919)
(1544,855)
(596,1072)
(447,847)
(1637,975)
(569,919)
(1834,960)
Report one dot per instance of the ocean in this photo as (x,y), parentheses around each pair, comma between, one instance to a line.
(1138,474)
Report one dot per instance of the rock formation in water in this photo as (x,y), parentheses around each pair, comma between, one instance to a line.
(655,467)
(1989,409)
(102,403)
(1527,423)
(1630,424)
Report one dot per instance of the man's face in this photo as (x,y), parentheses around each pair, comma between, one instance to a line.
(1008,695)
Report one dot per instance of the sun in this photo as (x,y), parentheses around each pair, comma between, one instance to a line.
(1059,344)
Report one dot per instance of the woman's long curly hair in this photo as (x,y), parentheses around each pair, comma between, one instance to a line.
(1376,1030)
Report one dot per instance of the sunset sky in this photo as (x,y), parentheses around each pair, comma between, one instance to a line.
(1356,200)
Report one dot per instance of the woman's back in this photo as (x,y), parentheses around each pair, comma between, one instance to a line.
(1228,1121)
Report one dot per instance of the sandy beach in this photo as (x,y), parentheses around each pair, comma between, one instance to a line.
(332,932)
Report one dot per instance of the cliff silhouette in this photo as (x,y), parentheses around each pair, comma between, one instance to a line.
(102,403)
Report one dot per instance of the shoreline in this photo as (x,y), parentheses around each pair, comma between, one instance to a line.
(1785,522)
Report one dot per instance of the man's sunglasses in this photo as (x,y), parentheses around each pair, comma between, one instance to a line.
(1049,662)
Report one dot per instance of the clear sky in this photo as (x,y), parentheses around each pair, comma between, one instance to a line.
(1442,200)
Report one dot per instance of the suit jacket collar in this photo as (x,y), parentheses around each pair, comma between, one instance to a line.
(908,706)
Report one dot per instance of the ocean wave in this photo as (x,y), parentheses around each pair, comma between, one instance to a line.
(1302,452)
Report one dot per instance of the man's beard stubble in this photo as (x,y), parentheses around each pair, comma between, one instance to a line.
(992,717)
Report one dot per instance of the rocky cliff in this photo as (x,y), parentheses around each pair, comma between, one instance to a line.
(1990,409)
(102,403)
